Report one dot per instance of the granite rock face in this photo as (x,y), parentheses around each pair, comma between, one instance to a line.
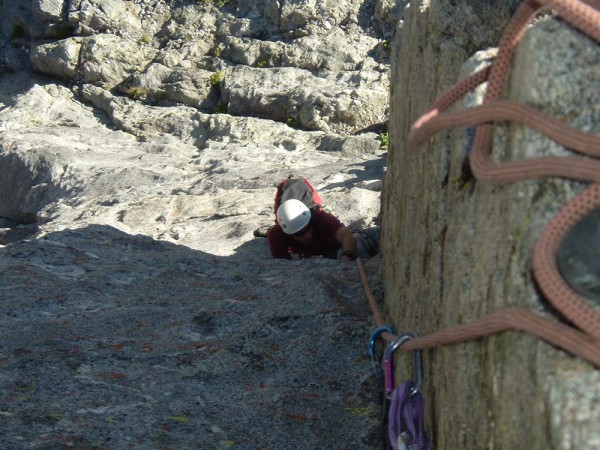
(456,249)
(141,143)
(201,55)
(139,108)
(125,341)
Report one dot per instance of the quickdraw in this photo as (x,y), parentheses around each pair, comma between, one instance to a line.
(403,423)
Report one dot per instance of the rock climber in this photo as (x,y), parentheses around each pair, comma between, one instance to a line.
(301,233)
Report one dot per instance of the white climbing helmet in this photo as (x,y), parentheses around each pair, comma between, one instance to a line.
(293,215)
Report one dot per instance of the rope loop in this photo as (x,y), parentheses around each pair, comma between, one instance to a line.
(579,14)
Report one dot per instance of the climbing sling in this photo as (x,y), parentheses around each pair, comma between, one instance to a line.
(406,422)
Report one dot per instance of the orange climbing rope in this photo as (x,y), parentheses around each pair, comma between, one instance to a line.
(510,319)
(585,341)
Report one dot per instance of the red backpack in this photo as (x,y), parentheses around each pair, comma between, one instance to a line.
(299,188)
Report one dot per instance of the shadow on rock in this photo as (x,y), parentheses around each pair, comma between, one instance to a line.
(127,342)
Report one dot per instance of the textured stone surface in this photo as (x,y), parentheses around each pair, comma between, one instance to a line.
(137,308)
(322,66)
(456,249)
(141,311)
(124,341)
(577,256)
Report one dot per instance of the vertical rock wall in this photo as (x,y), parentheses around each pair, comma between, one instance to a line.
(456,249)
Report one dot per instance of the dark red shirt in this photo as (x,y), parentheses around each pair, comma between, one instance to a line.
(324,227)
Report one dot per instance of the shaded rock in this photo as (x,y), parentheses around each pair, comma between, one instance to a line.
(390,11)
(27,185)
(457,249)
(16,231)
(577,257)
(239,363)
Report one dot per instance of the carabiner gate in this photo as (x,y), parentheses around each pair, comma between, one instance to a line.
(388,364)
(372,341)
